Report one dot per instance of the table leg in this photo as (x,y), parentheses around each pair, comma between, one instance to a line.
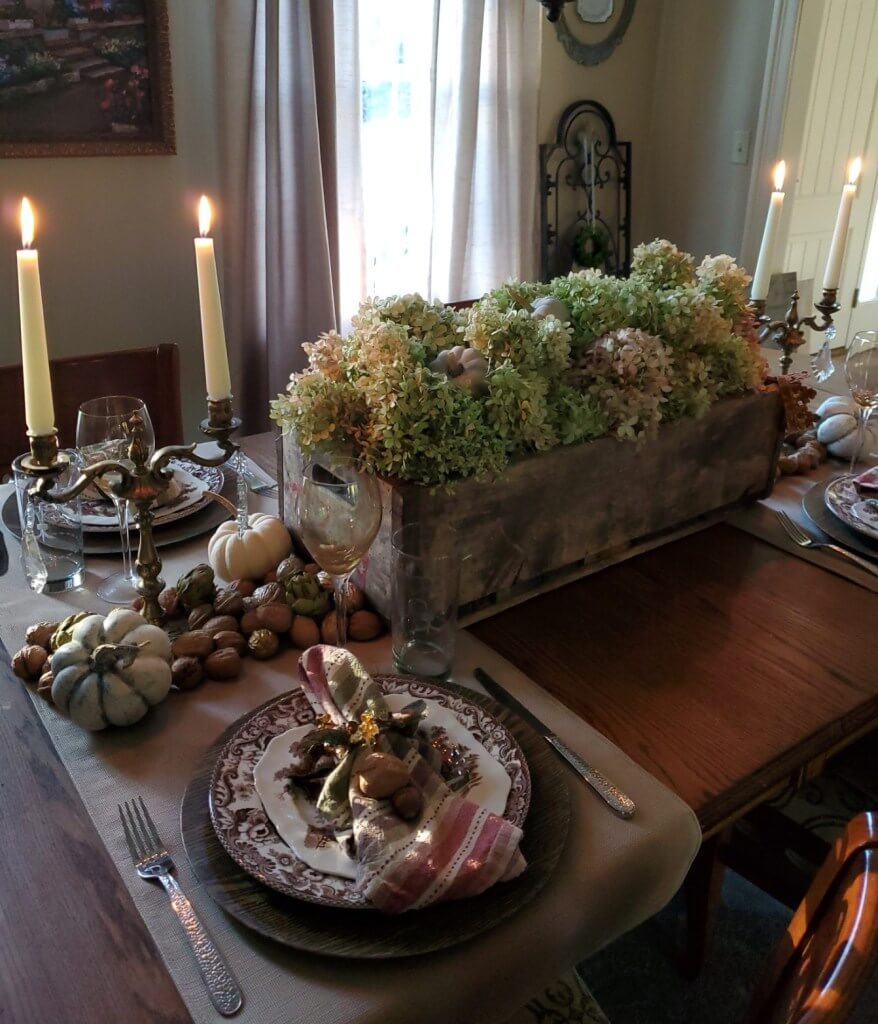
(703,887)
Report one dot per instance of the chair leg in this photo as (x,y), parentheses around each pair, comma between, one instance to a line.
(703,887)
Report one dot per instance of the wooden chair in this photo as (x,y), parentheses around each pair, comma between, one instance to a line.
(831,945)
(152,374)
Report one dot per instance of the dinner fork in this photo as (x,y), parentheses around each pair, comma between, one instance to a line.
(798,536)
(152,861)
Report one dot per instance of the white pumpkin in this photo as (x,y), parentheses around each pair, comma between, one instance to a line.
(249,557)
(837,428)
(112,671)
(548,305)
(466,367)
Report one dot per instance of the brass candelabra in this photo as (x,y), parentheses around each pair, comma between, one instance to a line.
(789,333)
(141,479)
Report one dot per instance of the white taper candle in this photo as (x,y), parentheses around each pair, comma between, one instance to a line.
(765,262)
(39,410)
(832,274)
(213,334)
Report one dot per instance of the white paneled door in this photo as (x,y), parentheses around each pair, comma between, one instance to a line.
(832,117)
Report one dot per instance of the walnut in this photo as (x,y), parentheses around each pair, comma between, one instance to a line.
(364,625)
(187,673)
(40,633)
(230,638)
(228,602)
(276,617)
(244,587)
(223,664)
(380,775)
(198,616)
(196,644)
(170,602)
(269,593)
(44,685)
(28,663)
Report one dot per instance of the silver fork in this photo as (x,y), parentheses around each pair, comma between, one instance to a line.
(798,536)
(152,861)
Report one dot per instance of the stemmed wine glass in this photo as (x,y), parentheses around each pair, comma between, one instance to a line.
(861,371)
(339,514)
(103,431)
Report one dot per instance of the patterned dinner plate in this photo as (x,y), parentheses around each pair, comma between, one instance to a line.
(190,486)
(843,500)
(246,831)
(298,822)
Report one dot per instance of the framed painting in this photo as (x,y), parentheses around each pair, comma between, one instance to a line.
(85,78)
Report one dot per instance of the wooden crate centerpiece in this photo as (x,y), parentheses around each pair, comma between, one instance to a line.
(560,514)
(559,427)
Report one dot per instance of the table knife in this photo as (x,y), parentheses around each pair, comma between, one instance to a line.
(615,799)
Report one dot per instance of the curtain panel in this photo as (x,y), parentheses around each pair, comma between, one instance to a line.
(327,199)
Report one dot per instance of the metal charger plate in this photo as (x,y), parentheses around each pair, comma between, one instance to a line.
(814,505)
(368,933)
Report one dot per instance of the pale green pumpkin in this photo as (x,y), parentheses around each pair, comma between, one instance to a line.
(112,670)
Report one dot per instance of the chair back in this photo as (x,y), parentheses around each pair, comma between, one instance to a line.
(152,374)
(831,945)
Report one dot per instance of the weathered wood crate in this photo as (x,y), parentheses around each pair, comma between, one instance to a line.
(565,513)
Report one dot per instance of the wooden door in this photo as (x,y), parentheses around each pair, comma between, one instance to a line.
(829,121)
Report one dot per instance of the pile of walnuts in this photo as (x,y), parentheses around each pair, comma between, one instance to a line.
(216,626)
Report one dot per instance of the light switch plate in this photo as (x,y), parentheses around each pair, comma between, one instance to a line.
(741,147)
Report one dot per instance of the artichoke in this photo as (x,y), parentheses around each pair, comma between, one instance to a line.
(305,595)
(64,633)
(196,587)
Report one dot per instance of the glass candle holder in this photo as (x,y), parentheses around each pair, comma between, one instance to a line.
(51,534)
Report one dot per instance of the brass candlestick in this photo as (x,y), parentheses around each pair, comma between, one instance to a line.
(140,479)
(789,333)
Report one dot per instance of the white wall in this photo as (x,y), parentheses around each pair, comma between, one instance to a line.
(115,233)
(709,70)
(623,84)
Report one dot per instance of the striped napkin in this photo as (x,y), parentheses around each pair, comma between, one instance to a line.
(454,849)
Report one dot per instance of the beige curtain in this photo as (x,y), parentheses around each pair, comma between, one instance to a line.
(280,202)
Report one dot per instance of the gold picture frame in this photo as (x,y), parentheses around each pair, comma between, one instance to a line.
(105,69)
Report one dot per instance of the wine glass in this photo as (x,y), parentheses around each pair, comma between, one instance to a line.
(103,431)
(861,371)
(339,514)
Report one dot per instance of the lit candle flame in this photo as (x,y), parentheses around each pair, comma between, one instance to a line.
(780,171)
(27,224)
(854,170)
(204,216)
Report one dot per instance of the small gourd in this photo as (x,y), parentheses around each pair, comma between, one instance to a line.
(252,554)
(837,428)
(112,670)
(466,367)
(548,305)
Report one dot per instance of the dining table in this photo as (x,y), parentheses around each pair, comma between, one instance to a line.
(699,676)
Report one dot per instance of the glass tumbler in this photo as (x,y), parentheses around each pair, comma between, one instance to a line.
(51,534)
(426,573)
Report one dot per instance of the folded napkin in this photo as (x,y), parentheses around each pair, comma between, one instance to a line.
(867,483)
(452,850)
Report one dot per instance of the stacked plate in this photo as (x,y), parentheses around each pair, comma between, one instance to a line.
(846,515)
(188,511)
(264,856)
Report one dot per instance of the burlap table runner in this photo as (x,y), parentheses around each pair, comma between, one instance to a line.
(789,491)
(613,874)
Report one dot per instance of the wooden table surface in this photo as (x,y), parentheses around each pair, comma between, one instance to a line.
(718,662)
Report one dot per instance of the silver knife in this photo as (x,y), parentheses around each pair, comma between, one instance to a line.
(614,798)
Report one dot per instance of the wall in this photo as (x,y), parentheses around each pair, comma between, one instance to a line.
(115,233)
(709,71)
(623,84)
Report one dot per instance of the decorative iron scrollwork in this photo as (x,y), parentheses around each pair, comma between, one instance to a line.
(585,194)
